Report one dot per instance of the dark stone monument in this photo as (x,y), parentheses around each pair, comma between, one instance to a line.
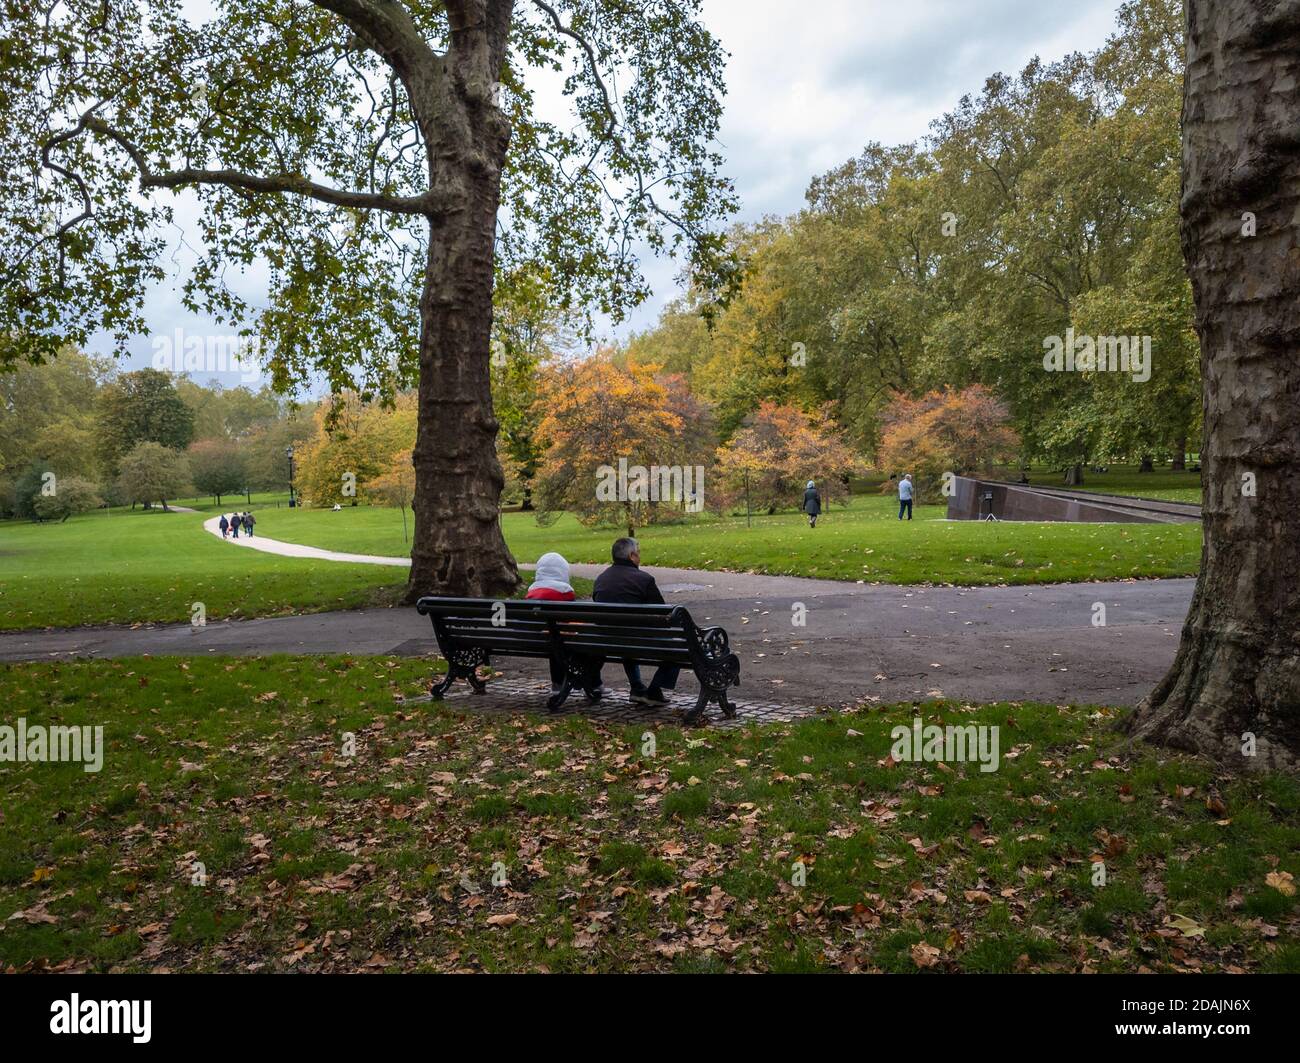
(981,499)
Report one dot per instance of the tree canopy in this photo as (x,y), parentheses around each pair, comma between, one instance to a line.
(296,127)
(1045,203)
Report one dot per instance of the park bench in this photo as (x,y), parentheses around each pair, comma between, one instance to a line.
(581,636)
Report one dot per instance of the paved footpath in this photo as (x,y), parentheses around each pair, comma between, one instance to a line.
(276,546)
(857,641)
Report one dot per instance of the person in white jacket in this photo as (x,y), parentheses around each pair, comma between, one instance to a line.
(905,496)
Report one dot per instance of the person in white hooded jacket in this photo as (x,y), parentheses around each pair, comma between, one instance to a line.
(551,584)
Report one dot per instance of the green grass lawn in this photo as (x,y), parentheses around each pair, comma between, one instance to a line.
(133,567)
(235,503)
(609,855)
(864,541)
(129,567)
(124,566)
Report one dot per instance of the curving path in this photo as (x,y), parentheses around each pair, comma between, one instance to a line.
(277,546)
(856,641)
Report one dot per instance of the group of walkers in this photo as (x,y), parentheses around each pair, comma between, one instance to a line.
(623,581)
(230,525)
(812,500)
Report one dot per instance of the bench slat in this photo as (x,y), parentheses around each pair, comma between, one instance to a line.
(620,650)
(581,642)
(606,613)
(566,631)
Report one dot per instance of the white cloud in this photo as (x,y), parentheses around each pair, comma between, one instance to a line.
(806,91)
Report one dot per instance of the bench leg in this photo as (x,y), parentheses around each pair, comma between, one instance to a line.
(437,690)
(696,713)
(728,709)
(579,674)
(708,695)
(557,699)
(468,672)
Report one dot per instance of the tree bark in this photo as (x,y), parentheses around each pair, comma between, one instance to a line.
(1180,454)
(1147,464)
(1237,673)
(458,546)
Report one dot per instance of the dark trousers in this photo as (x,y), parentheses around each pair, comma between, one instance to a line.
(665,677)
(904,504)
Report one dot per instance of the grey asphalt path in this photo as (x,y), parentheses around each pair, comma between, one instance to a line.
(857,641)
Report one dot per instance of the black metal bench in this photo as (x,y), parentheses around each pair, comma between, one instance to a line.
(581,636)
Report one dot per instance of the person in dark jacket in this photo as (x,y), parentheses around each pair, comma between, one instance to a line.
(812,503)
(234,525)
(624,582)
(224,525)
(248,524)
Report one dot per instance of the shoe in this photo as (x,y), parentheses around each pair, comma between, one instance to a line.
(650,697)
(555,688)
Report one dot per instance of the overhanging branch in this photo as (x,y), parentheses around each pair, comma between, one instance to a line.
(294,184)
(388,30)
(592,61)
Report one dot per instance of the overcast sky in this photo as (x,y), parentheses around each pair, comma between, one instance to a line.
(808,85)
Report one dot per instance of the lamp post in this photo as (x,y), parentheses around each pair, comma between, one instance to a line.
(288,453)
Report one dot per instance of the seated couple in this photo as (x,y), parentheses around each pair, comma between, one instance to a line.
(623,582)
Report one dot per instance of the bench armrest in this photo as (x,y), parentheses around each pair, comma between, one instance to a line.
(714,643)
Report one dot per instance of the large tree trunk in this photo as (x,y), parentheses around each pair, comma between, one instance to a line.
(458,547)
(1179,463)
(1237,672)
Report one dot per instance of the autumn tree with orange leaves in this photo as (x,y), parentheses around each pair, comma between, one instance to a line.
(779,449)
(594,415)
(395,487)
(957,431)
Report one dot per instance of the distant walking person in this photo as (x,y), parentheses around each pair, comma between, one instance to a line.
(224,525)
(624,582)
(812,503)
(248,524)
(234,525)
(905,496)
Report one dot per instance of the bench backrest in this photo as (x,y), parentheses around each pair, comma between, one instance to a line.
(530,628)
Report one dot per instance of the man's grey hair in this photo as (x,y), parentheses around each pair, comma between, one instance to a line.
(625,548)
